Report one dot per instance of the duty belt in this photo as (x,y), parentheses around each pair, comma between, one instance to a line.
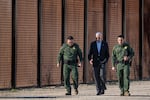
(124,62)
(69,62)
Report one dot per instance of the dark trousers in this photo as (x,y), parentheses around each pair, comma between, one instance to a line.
(100,77)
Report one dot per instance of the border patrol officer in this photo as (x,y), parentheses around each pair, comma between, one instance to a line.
(70,52)
(121,60)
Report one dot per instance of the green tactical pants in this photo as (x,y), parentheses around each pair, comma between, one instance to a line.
(67,69)
(123,72)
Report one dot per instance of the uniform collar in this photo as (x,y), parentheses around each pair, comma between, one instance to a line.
(70,46)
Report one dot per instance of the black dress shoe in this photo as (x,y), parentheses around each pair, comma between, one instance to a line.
(103,92)
(98,93)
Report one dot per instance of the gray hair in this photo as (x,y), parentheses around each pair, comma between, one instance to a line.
(98,33)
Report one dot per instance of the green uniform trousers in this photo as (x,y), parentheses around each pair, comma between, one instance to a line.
(123,72)
(67,69)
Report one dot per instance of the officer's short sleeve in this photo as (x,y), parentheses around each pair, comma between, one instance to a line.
(60,54)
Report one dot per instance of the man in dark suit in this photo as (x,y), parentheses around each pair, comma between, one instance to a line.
(98,57)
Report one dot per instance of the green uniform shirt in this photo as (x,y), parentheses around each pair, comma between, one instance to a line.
(69,53)
(119,51)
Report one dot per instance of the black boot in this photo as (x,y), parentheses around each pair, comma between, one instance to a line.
(68,93)
(76,91)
